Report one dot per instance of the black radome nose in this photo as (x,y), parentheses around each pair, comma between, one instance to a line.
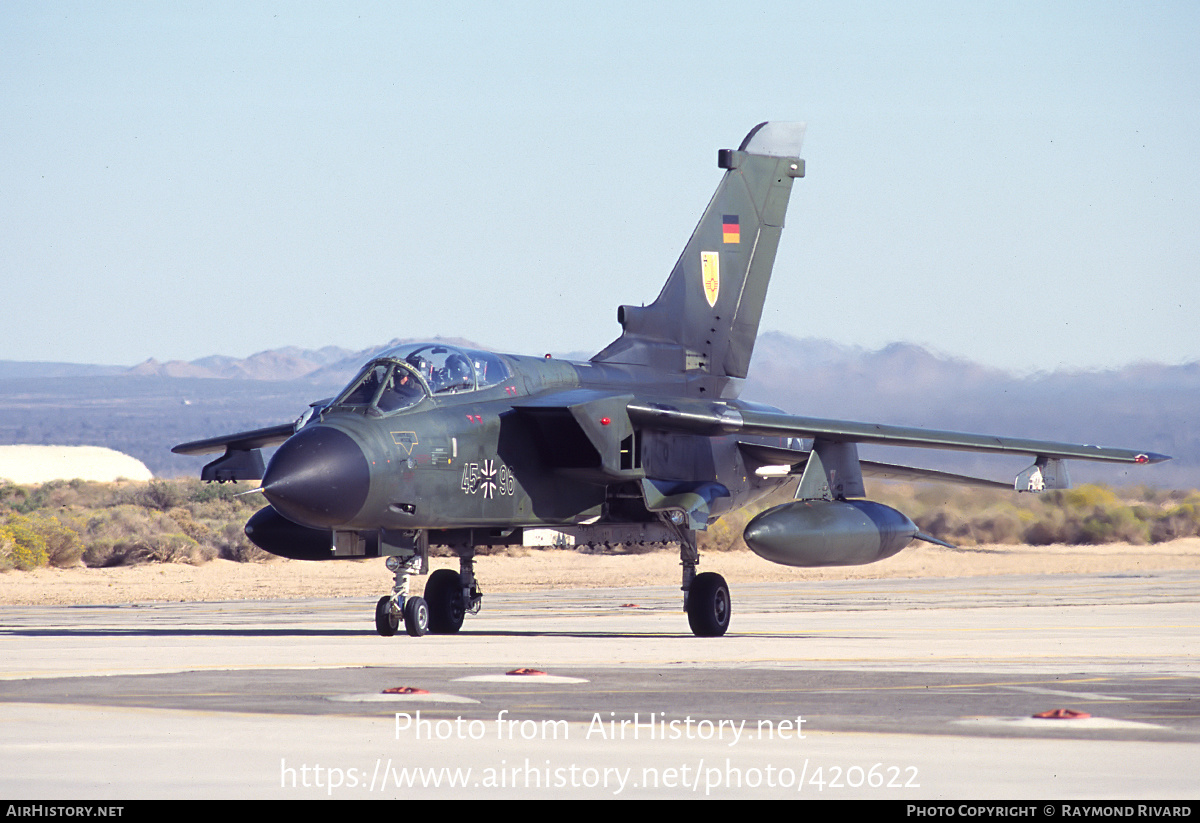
(319,478)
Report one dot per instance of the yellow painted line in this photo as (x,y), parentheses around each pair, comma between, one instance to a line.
(965,630)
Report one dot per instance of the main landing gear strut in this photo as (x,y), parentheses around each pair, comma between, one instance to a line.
(450,596)
(705,596)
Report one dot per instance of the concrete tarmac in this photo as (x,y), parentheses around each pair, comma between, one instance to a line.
(894,689)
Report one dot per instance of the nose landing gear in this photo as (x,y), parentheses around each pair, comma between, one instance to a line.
(449,597)
(397,606)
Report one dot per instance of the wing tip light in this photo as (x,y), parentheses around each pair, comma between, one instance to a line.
(1151,457)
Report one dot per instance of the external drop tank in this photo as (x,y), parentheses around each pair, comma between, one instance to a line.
(829,533)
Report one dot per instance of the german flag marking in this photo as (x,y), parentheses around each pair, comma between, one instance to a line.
(731,230)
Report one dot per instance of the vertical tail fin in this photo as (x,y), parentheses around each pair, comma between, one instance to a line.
(705,320)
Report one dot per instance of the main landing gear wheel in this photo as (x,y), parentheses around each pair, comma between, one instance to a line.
(416,616)
(708,605)
(444,594)
(386,621)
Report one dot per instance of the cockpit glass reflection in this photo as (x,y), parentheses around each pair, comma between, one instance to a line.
(383,386)
(400,377)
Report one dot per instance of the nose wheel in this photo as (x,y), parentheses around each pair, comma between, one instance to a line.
(416,616)
(414,613)
(387,620)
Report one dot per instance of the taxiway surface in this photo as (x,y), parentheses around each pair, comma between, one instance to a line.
(896,689)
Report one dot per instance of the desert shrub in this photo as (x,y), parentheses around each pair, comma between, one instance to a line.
(32,541)
(231,544)
(1087,514)
(17,551)
(22,546)
(125,522)
(1115,524)
(201,492)
(7,549)
(126,534)
(12,496)
(96,553)
(967,516)
(160,494)
(726,534)
(1087,496)
(1053,525)
(64,548)
(998,527)
(160,548)
(189,526)
(62,494)
(217,501)
(947,524)
(1178,521)
(185,520)
(12,555)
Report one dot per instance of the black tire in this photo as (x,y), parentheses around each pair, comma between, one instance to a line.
(416,616)
(709,606)
(443,593)
(386,623)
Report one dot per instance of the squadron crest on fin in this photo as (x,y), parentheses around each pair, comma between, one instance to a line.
(710,276)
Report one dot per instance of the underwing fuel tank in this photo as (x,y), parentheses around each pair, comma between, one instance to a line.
(828,533)
(274,533)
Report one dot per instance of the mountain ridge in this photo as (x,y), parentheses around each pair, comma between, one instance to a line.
(145,409)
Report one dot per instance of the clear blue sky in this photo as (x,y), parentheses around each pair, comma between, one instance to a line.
(1014,183)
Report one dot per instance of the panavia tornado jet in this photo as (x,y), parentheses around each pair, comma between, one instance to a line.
(646,443)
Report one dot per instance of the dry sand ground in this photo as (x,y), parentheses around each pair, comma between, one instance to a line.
(556,569)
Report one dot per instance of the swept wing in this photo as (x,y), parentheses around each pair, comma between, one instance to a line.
(834,469)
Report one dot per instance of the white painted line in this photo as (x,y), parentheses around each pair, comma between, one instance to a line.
(1054,724)
(521,679)
(376,697)
(1061,693)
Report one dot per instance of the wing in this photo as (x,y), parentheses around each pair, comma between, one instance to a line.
(241,441)
(835,441)
(778,424)
(242,459)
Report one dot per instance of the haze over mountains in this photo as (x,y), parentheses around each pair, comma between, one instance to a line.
(289,363)
(145,410)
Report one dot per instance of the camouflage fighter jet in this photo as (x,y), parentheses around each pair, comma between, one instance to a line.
(647,443)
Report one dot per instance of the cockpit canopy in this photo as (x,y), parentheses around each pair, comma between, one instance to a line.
(401,377)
